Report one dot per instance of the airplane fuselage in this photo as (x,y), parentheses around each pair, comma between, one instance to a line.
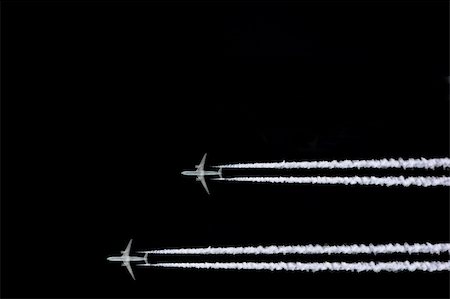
(126,259)
(200,173)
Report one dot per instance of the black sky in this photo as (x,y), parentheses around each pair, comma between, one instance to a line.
(104,103)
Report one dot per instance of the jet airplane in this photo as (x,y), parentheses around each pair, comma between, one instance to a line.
(125,258)
(200,173)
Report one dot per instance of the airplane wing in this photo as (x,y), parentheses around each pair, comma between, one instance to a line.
(127,264)
(202,163)
(202,180)
(127,250)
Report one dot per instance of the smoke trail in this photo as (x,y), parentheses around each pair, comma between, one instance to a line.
(355,180)
(345,164)
(314,267)
(313,249)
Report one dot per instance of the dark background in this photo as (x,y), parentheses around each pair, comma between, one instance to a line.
(104,103)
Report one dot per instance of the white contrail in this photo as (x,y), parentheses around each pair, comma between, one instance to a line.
(355,180)
(314,267)
(313,249)
(345,164)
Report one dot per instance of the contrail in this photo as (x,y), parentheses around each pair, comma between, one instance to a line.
(313,249)
(355,180)
(314,267)
(345,164)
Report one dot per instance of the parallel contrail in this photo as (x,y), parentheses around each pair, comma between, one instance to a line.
(345,164)
(355,180)
(314,267)
(313,249)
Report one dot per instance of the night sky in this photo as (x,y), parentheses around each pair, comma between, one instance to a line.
(105,103)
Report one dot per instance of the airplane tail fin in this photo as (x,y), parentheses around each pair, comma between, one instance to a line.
(220,172)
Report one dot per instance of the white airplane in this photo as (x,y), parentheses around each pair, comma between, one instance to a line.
(200,173)
(125,258)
